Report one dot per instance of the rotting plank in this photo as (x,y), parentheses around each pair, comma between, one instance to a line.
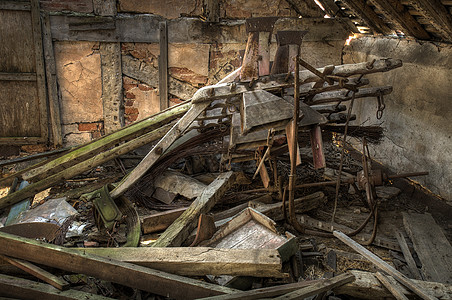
(175,234)
(264,292)
(38,272)
(431,245)
(19,288)
(395,291)
(437,15)
(198,261)
(407,255)
(127,274)
(319,287)
(367,286)
(383,265)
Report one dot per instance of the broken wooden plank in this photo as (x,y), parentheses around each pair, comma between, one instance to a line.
(395,291)
(431,245)
(264,292)
(127,274)
(38,272)
(319,287)
(275,82)
(179,184)
(43,170)
(83,166)
(19,288)
(383,265)
(330,227)
(367,286)
(160,221)
(183,226)
(198,261)
(407,255)
(157,151)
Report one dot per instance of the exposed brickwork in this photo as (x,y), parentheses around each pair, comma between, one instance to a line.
(97,126)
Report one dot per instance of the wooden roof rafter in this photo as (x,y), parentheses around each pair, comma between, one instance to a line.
(437,14)
(365,12)
(395,11)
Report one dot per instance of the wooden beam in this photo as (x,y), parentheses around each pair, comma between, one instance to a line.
(186,223)
(52,86)
(319,287)
(18,76)
(396,12)
(172,135)
(383,265)
(437,14)
(395,291)
(131,275)
(38,272)
(160,221)
(367,286)
(364,11)
(273,82)
(163,65)
(19,288)
(112,95)
(88,150)
(264,293)
(407,255)
(431,245)
(81,167)
(198,261)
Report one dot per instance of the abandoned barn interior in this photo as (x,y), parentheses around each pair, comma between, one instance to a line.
(226,149)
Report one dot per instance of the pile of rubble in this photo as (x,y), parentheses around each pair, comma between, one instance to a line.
(241,194)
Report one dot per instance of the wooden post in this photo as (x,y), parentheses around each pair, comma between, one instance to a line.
(54,101)
(163,65)
(40,75)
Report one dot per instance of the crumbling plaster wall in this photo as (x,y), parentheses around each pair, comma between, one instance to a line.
(417,118)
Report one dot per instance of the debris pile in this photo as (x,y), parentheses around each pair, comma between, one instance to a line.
(241,194)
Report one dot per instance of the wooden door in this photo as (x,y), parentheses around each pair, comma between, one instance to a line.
(23,95)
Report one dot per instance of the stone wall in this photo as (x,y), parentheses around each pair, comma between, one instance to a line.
(418,130)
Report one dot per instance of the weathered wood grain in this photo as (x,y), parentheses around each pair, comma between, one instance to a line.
(131,275)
